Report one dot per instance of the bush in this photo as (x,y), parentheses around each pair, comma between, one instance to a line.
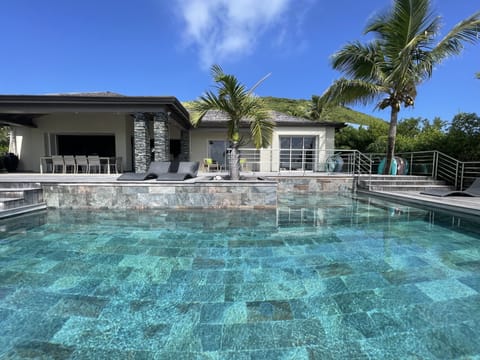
(9,162)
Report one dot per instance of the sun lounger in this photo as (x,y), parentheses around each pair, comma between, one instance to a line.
(186,170)
(156,169)
(472,190)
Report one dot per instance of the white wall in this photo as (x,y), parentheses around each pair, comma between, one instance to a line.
(269,158)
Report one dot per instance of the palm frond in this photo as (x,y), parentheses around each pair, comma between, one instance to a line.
(359,61)
(466,31)
(261,129)
(351,91)
(257,84)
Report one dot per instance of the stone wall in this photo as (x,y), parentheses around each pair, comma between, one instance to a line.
(312,185)
(244,194)
(195,194)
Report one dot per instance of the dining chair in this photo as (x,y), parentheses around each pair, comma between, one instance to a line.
(115,164)
(94,163)
(57,162)
(82,163)
(69,163)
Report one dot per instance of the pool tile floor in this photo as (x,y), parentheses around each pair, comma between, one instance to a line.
(330,283)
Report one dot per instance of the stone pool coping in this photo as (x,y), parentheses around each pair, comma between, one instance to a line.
(103,191)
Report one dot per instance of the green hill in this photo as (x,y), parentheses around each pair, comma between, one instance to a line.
(301,107)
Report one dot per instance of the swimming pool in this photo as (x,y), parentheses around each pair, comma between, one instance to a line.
(321,277)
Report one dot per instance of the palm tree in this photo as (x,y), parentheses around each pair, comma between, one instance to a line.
(402,55)
(240,105)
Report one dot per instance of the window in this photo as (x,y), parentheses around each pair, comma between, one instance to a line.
(297,152)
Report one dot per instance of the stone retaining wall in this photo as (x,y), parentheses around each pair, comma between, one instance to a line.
(261,194)
(195,194)
(312,185)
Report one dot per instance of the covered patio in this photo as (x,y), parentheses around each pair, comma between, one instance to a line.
(131,129)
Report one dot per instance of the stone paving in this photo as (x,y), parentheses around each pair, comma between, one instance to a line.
(330,278)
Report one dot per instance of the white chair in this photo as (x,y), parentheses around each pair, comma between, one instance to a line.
(57,162)
(115,164)
(82,164)
(94,163)
(69,162)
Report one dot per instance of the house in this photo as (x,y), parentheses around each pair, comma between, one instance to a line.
(137,129)
(297,143)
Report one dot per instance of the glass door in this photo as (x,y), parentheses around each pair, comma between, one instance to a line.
(297,152)
(217,151)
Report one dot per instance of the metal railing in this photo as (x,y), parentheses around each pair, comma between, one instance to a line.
(302,161)
(434,164)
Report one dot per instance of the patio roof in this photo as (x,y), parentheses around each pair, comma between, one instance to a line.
(20,110)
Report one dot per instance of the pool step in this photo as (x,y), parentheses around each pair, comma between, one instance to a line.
(18,199)
(393,183)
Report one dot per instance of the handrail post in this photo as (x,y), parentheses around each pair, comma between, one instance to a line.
(353,166)
(462,176)
(456,174)
(411,164)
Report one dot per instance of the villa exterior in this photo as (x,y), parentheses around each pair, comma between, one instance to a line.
(297,143)
(138,129)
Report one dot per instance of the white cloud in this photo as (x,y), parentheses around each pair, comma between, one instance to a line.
(221,29)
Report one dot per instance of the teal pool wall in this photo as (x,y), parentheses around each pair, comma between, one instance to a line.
(200,194)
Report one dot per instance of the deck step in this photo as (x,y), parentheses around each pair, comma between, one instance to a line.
(393,183)
(19,210)
(18,199)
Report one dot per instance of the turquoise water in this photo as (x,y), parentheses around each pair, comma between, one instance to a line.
(325,277)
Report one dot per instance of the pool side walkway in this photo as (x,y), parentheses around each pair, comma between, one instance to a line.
(462,204)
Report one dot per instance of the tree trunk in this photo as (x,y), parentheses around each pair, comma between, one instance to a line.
(392,134)
(235,162)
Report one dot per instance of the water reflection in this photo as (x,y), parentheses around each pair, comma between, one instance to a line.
(326,211)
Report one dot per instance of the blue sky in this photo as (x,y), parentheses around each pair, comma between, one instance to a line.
(165,47)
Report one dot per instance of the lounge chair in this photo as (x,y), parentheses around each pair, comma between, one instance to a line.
(186,170)
(156,168)
(472,190)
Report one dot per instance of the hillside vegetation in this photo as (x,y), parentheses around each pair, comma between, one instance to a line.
(301,108)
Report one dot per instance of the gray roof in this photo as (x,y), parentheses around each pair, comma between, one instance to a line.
(215,118)
(21,109)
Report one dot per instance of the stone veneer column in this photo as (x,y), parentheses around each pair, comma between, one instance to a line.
(185,145)
(161,136)
(141,142)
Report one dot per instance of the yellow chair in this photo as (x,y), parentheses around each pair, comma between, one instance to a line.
(243,164)
(209,165)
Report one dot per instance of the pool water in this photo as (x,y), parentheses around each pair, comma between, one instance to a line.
(321,277)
